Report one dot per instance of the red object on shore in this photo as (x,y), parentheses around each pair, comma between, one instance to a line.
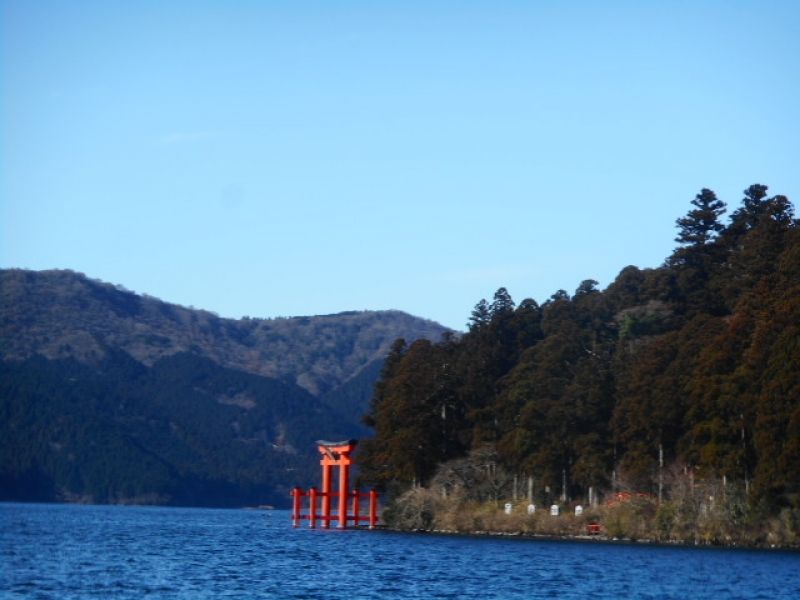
(593,528)
(621,497)
(334,454)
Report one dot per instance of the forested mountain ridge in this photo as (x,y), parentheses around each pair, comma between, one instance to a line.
(108,396)
(691,369)
(63,314)
(183,431)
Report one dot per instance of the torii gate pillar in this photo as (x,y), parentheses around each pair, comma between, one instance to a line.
(335,454)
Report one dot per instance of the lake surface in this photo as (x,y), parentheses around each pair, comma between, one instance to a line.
(68,551)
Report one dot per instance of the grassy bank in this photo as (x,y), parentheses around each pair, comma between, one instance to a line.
(721,522)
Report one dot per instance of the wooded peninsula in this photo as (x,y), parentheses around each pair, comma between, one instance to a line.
(666,405)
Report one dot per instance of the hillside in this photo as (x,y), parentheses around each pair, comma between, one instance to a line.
(184,431)
(108,396)
(63,314)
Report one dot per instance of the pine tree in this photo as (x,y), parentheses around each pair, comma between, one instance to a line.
(701,224)
(752,209)
(481,315)
(502,303)
(696,261)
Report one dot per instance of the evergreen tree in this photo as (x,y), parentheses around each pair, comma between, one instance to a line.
(753,242)
(752,210)
(390,366)
(696,261)
(416,420)
(481,315)
(527,324)
(626,290)
(502,303)
(587,286)
(701,224)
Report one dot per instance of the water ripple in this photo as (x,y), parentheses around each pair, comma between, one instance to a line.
(86,552)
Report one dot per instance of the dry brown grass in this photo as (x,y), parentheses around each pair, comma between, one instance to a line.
(468,495)
(717,522)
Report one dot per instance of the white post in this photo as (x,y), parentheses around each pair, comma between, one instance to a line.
(660,471)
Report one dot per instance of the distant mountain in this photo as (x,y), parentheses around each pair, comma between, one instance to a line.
(109,396)
(61,314)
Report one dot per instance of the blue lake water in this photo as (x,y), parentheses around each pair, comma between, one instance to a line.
(63,551)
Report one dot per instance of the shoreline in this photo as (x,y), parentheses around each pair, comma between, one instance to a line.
(597,539)
(513,535)
(638,521)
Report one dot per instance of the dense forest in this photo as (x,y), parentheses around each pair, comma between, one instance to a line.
(184,431)
(688,370)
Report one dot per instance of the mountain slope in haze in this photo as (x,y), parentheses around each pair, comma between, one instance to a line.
(63,314)
(108,396)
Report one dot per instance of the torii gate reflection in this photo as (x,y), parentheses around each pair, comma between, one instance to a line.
(335,454)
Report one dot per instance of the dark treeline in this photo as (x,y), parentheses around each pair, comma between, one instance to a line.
(694,365)
(184,431)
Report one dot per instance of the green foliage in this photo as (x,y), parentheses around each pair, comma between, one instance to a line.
(699,226)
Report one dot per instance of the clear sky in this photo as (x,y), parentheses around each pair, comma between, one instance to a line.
(293,158)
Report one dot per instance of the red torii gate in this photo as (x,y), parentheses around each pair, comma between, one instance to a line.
(334,454)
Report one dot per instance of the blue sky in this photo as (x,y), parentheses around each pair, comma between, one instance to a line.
(292,158)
